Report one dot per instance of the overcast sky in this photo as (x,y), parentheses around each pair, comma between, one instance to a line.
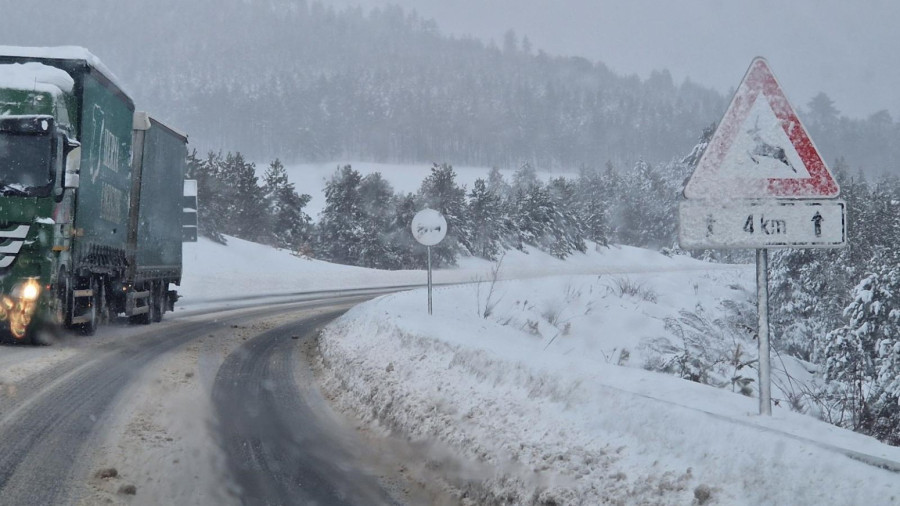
(847,48)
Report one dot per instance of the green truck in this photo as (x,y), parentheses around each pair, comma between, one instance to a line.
(90,197)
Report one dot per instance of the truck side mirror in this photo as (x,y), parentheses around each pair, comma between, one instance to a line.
(73,165)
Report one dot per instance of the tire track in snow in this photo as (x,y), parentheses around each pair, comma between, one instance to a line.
(281,451)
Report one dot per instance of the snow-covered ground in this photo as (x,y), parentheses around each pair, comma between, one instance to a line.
(546,401)
(253,270)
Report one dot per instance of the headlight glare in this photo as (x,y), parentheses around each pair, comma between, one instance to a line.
(31,290)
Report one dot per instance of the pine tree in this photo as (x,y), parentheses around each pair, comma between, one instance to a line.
(645,209)
(566,227)
(245,208)
(509,233)
(377,207)
(486,221)
(863,357)
(533,214)
(409,253)
(289,224)
(209,195)
(212,195)
(592,203)
(340,229)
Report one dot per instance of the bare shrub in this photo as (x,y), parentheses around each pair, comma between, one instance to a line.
(491,301)
(624,286)
(706,350)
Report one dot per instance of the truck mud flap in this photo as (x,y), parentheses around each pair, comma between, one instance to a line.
(132,306)
(171,297)
(85,317)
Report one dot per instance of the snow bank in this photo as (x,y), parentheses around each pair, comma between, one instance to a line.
(536,408)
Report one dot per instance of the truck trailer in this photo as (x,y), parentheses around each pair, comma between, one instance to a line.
(90,197)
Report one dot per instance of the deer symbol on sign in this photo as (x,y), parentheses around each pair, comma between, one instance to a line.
(765,150)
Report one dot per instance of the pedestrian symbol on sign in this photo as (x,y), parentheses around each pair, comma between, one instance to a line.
(817,220)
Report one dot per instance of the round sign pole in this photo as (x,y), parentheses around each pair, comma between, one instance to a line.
(429,279)
(429,228)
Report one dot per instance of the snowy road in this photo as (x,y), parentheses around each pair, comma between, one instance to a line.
(280,451)
(126,416)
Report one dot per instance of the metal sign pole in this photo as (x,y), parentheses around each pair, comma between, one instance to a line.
(429,279)
(429,228)
(762,296)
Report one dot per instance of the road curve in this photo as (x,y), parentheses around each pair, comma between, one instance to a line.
(279,451)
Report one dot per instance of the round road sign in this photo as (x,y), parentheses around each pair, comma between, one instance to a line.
(429,227)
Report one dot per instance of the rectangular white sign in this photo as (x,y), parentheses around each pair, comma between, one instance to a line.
(762,224)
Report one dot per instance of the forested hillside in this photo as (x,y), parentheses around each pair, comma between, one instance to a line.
(303,82)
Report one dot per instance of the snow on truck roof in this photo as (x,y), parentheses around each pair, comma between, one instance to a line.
(62,53)
(35,76)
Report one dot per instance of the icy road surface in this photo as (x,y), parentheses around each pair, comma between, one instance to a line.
(204,408)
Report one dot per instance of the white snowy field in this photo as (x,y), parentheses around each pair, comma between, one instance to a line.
(546,401)
(254,270)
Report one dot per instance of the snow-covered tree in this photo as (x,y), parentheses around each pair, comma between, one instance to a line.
(409,253)
(340,230)
(211,195)
(245,205)
(645,208)
(566,227)
(377,212)
(509,233)
(289,224)
(486,221)
(440,192)
(862,358)
(592,200)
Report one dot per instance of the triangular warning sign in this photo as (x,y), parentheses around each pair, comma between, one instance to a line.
(760,149)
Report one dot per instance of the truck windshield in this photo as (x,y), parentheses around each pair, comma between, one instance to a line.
(25,164)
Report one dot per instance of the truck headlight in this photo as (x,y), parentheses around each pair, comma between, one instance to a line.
(19,307)
(30,290)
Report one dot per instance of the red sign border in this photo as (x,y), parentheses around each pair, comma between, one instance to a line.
(760,79)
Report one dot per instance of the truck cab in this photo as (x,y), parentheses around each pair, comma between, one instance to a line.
(39,160)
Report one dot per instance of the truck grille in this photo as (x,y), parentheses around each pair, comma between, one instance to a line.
(11,241)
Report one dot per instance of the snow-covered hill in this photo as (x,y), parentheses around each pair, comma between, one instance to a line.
(546,401)
(214,271)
